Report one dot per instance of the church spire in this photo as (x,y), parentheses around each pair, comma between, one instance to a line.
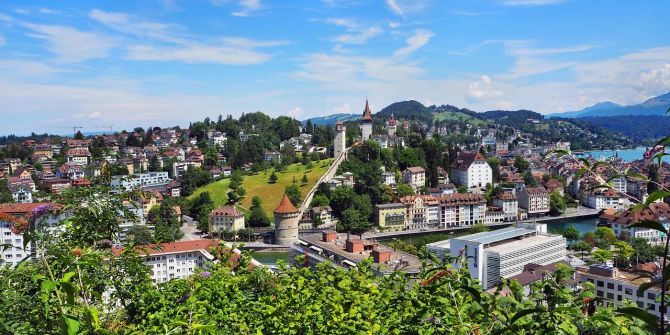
(367,114)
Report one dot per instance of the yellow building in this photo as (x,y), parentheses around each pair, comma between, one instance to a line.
(390,217)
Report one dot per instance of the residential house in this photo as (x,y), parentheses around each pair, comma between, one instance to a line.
(390,217)
(414,176)
(78,156)
(657,212)
(422,211)
(459,209)
(509,204)
(272,156)
(225,218)
(471,169)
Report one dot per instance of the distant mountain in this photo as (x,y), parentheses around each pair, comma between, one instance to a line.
(518,116)
(655,106)
(332,119)
(640,127)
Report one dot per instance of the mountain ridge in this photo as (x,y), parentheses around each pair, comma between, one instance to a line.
(657,105)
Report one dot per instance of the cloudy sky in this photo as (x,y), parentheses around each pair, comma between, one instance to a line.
(101,64)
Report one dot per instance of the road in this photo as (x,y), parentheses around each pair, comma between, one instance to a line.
(189,229)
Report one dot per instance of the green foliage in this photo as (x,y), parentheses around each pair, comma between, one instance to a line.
(404,190)
(139,235)
(5,193)
(571,233)
(257,216)
(478,228)
(293,193)
(521,164)
(556,204)
(273,178)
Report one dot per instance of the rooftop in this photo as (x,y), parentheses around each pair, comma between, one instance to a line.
(496,235)
(521,244)
(413,264)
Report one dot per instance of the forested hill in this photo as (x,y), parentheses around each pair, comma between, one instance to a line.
(409,110)
(638,127)
(512,116)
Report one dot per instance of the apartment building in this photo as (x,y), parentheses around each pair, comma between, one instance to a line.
(414,176)
(460,209)
(535,200)
(509,203)
(622,223)
(131,182)
(422,211)
(470,169)
(12,225)
(390,217)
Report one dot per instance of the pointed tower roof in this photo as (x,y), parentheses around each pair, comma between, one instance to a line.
(392,121)
(367,114)
(285,206)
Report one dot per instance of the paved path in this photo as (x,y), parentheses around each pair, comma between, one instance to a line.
(189,228)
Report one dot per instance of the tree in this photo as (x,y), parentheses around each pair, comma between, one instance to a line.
(132,141)
(293,193)
(605,233)
(236,179)
(643,250)
(495,168)
(5,193)
(582,247)
(139,235)
(521,164)
(529,180)
(257,217)
(320,200)
(571,233)
(590,238)
(78,135)
(462,189)
(353,222)
(478,228)
(203,200)
(203,218)
(601,255)
(304,179)
(404,190)
(273,178)
(556,204)
(154,164)
(623,252)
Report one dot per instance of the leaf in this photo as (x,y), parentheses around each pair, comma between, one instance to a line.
(640,314)
(67,276)
(473,292)
(580,172)
(523,313)
(645,286)
(656,195)
(654,225)
(46,288)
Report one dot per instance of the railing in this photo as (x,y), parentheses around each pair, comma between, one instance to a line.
(326,176)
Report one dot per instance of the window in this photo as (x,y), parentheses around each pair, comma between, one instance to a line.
(600,283)
(610,286)
(610,296)
(629,291)
(651,296)
(618,288)
(618,297)
(599,293)
(651,307)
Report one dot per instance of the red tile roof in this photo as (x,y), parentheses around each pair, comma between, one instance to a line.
(226,211)
(507,196)
(465,159)
(462,199)
(285,206)
(655,212)
(172,247)
(20,208)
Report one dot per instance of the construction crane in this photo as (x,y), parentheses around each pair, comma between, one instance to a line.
(74,129)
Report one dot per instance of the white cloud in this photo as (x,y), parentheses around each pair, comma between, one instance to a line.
(483,90)
(21,11)
(71,45)
(6,18)
(296,112)
(198,54)
(249,43)
(247,7)
(359,38)
(342,22)
(48,11)
(124,23)
(3,41)
(530,2)
(393,24)
(420,38)
(394,7)
(26,68)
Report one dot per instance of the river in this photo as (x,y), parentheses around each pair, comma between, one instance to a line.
(627,155)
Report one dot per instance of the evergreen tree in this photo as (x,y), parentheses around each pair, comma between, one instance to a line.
(293,193)
(78,135)
(257,217)
(273,178)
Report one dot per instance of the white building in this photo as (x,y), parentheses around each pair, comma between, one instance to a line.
(22,193)
(414,176)
(509,204)
(175,260)
(422,211)
(617,286)
(12,235)
(178,168)
(388,178)
(503,253)
(659,211)
(138,180)
(600,199)
(217,138)
(470,169)
(225,218)
(458,210)
(535,200)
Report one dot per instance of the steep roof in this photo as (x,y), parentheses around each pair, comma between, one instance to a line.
(285,206)
(226,211)
(655,212)
(536,190)
(367,114)
(415,169)
(465,159)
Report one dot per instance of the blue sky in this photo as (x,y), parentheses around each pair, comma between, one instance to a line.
(120,64)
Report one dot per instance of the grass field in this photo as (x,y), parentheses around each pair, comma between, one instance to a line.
(456,116)
(257,184)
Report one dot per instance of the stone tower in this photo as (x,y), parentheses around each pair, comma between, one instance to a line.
(340,139)
(366,123)
(391,126)
(286,222)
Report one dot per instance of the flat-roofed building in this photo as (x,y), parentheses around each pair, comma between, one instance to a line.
(460,209)
(390,217)
(535,200)
(503,253)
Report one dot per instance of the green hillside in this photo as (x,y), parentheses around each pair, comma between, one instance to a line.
(257,184)
(456,116)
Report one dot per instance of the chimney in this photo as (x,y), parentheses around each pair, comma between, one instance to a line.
(329,236)
(381,256)
(354,246)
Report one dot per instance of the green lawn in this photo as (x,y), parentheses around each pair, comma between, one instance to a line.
(271,194)
(258,185)
(217,191)
(456,116)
